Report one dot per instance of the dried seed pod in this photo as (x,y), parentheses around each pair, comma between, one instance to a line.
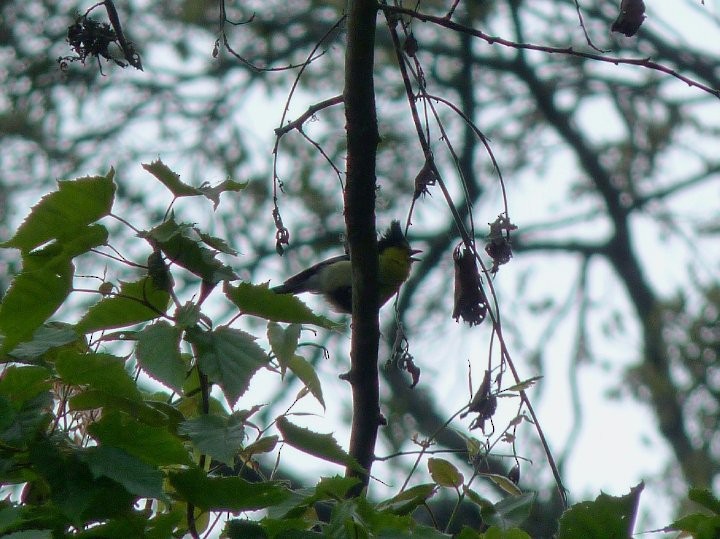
(632,15)
(425,179)
(470,300)
(499,246)
(484,404)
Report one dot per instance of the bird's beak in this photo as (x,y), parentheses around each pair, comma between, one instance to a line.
(414,252)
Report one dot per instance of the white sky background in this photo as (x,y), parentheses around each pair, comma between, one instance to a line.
(618,444)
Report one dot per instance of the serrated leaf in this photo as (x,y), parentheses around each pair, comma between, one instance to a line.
(229,357)
(46,337)
(146,412)
(136,302)
(493,532)
(283,342)
(187,315)
(103,372)
(525,384)
(154,445)
(219,437)
(334,488)
(84,239)
(21,384)
(135,475)
(697,525)
(259,300)
(213,193)
(509,512)
(305,371)
(35,294)
(444,473)
(73,490)
(706,498)
(263,445)
(59,215)
(606,516)
(475,498)
(158,354)
(226,493)
(182,244)
(170,179)
(218,244)
(323,446)
(504,483)
(408,500)
(22,422)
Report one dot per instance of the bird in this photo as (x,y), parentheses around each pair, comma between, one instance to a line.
(333,277)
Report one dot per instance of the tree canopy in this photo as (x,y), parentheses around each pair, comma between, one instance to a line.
(557,163)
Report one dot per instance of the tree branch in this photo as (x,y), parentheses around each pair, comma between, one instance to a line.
(569,51)
(362,141)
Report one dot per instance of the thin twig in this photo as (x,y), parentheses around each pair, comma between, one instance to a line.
(568,51)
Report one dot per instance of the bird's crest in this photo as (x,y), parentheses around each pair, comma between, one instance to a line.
(393,237)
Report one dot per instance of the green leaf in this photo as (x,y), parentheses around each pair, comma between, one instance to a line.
(46,337)
(60,215)
(607,516)
(226,493)
(147,411)
(218,244)
(241,528)
(21,384)
(525,384)
(187,315)
(154,445)
(158,354)
(469,533)
(84,239)
(475,498)
(181,243)
(444,473)
(323,446)
(259,300)
(334,488)
(698,525)
(498,533)
(503,482)
(72,487)
(263,445)
(219,437)
(509,512)
(135,475)
(229,357)
(30,534)
(20,423)
(170,179)
(408,500)
(136,302)
(103,372)
(136,524)
(35,294)
(213,193)
(283,342)
(305,371)
(705,498)
(10,516)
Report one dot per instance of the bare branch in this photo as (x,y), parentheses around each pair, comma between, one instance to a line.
(568,51)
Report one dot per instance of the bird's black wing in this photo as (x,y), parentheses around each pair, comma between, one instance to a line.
(303,281)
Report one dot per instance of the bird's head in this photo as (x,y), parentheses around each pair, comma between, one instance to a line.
(395,238)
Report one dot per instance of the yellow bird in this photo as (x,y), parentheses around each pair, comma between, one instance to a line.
(333,279)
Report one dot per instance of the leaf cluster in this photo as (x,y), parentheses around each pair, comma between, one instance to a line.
(96,443)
